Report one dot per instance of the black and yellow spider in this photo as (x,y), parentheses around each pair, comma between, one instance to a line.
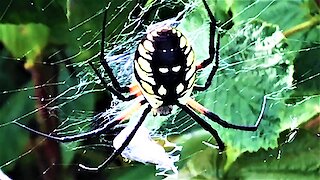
(165,74)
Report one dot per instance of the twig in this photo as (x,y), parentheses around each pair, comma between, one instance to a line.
(300,27)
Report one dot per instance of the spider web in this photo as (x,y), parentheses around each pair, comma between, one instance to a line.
(257,63)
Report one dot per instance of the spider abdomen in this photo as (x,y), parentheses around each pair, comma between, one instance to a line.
(164,67)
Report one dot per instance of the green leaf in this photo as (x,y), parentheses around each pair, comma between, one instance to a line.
(50,14)
(24,40)
(288,13)
(15,108)
(198,161)
(256,61)
(251,69)
(140,171)
(85,22)
(307,70)
(295,160)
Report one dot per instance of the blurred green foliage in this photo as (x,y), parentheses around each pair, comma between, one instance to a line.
(73,27)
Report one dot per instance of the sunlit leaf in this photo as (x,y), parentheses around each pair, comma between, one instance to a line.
(25,40)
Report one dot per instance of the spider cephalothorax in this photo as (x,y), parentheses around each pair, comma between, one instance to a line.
(164,67)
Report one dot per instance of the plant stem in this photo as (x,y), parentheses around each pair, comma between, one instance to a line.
(48,152)
(300,27)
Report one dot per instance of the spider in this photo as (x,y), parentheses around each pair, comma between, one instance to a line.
(165,74)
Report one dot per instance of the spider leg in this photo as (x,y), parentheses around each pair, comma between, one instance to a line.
(94,132)
(204,125)
(112,89)
(72,137)
(198,107)
(122,147)
(104,63)
(213,51)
